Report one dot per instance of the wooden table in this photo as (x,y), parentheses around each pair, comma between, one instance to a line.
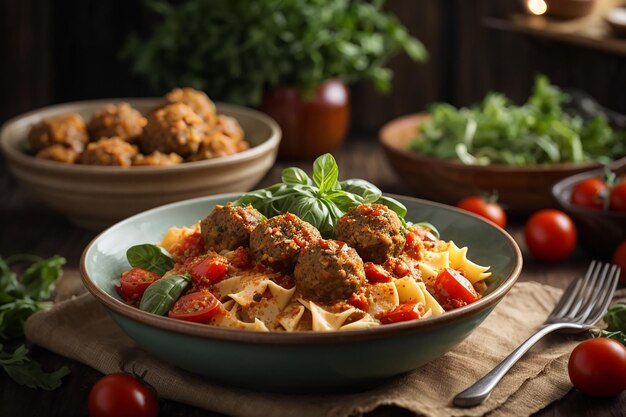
(28,227)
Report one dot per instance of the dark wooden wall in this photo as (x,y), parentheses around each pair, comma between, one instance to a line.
(55,51)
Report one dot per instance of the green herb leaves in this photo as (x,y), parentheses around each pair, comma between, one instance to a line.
(226,49)
(19,299)
(161,295)
(321,200)
(497,131)
(150,258)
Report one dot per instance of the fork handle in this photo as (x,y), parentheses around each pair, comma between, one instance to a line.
(481,389)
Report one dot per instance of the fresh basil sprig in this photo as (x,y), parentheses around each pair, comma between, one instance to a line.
(161,295)
(320,200)
(150,257)
(20,297)
(615,319)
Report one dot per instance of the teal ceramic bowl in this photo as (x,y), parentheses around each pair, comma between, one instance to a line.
(281,361)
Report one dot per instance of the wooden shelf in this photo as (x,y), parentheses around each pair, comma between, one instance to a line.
(590,31)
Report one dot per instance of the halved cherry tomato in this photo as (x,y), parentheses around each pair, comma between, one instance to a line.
(376,273)
(404,312)
(134,282)
(617,200)
(589,193)
(198,307)
(487,208)
(451,284)
(209,270)
(241,258)
(598,367)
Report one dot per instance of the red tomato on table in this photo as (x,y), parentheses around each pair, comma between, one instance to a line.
(550,235)
(134,282)
(198,307)
(598,367)
(484,207)
(619,259)
(121,395)
(589,193)
(617,199)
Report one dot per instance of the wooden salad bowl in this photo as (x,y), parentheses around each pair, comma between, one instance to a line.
(521,190)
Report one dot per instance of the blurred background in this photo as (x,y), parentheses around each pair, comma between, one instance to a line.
(56,52)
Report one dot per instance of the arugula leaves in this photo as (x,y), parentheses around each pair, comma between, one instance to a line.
(496,131)
(19,299)
(320,200)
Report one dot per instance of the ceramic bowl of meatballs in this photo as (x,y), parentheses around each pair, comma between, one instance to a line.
(98,162)
(313,283)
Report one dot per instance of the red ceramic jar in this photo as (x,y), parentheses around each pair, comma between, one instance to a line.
(310,127)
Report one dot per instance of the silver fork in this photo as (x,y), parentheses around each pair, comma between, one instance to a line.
(583,304)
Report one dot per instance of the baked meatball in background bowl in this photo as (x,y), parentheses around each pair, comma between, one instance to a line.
(299,360)
(94,195)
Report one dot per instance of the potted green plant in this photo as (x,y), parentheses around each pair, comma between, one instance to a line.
(291,58)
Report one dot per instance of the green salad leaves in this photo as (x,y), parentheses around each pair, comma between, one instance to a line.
(615,319)
(496,131)
(19,299)
(320,200)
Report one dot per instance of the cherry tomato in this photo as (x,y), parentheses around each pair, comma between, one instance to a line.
(404,312)
(598,367)
(359,301)
(209,270)
(451,284)
(198,307)
(617,199)
(589,193)
(486,208)
(133,283)
(619,259)
(121,395)
(550,235)
(376,273)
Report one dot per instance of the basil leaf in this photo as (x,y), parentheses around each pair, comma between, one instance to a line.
(25,371)
(394,205)
(150,257)
(325,172)
(295,176)
(39,279)
(343,200)
(161,295)
(615,317)
(368,192)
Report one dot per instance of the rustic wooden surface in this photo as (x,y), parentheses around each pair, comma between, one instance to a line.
(27,226)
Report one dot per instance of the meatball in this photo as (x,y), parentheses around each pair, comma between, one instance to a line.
(217,144)
(228,227)
(113,151)
(277,242)
(173,128)
(157,158)
(59,153)
(198,101)
(68,130)
(230,127)
(116,120)
(329,271)
(373,230)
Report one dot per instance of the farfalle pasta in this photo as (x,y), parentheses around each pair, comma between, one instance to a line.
(237,269)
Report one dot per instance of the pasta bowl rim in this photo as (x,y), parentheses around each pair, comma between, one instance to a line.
(9,144)
(297,337)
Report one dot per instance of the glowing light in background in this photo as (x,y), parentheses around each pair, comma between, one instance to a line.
(536,7)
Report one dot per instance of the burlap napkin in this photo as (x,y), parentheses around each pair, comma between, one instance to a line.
(80,329)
